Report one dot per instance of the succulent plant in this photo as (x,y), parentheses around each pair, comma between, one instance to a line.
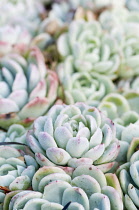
(16,168)
(123,26)
(128,38)
(129,88)
(27,88)
(117,16)
(83,86)
(20,28)
(127,136)
(16,200)
(63,11)
(22,13)
(72,135)
(119,108)
(15,133)
(128,176)
(114,17)
(86,191)
(89,49)
(12,37)
(17,39)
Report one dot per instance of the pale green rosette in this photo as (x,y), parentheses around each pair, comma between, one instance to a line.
(20,22)
(89,49)
(128,177)
(25,13)
(83,86)
(72,135)
(27,88)
(123,25)
(16,168)
(128,37)
(88,189)
(117,16)
(15,133)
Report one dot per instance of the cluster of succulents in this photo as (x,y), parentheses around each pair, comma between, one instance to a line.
(69,98)
(88,191)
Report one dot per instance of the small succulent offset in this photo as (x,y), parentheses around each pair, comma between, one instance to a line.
(27,88)
(87,190)
(16,168)
(15,133)
(129,177)
(72,135)
(90,49)
(83,86)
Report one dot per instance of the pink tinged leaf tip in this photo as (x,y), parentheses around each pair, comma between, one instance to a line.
(34,108)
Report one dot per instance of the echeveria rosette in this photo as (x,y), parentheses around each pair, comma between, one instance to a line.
(22,13)
(123,26)
(16,169)
(128,176)
(83,86)
(83,192)
(114,17)
(27,88)
(20,26)
(15,133)
(90,49)
(72,135)
(109,19)
(13,38)
(128,38)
